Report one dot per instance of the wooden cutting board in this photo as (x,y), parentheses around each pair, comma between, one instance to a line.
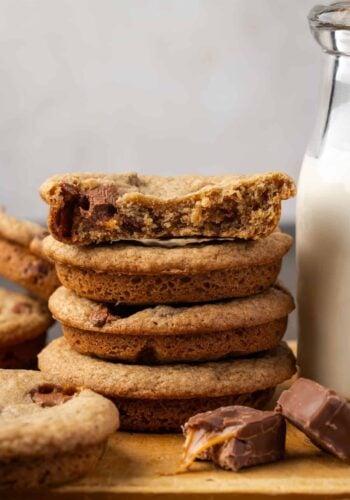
(141,466)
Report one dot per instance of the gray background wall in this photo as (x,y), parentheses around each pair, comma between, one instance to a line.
(158,86)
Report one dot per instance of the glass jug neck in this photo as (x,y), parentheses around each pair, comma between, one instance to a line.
(332,129)
(336,68)
(330,25)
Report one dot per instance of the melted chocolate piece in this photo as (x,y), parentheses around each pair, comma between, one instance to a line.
(130,225)
(252,436)
(48,395)
(37,268)
(64,216)
(111,312)
(320,413)
(102,195)
(21,308)
(96,204)
(99,316)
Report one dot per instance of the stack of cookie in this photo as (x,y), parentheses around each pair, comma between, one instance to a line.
(169,304)
(23,319)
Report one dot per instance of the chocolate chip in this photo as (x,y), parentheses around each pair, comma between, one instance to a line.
(111,312)
(69,191)
(64,216)
(130,224)
(134,180)
(48,395)
(37,268)
(94,204)
(147,355)
(22,308)
(102,195)
(84,202)
(99,316)
(103,212)
(101,202)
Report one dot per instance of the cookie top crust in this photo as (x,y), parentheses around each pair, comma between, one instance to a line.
(85,314)
(130,258)
(21,317)
(39,418)
(91,208)
(131,184)
(177,381)
(20,231)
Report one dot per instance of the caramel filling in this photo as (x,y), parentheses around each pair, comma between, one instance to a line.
(199,440)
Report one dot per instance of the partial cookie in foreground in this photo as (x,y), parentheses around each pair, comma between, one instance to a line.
(131,273)
(162,398)
(23,324)
(166,334)
(90,208)
(49,434)
(21,257)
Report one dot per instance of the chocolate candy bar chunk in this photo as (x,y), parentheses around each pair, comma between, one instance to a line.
(234,437)
(320,413)
(94,208)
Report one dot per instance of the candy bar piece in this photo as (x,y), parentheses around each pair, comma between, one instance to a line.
(320,413)
(90,208)
(234,437)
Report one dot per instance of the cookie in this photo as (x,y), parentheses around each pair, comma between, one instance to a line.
(23,324)
(49,434)
(136,274)
(180,333)
(162,398)
(88,208)
(21,257)
(22,355)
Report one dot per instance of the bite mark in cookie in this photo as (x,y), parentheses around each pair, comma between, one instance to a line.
(92,208)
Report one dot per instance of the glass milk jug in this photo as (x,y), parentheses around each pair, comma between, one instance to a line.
(323,214)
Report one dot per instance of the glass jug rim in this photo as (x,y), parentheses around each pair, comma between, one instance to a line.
(333,16)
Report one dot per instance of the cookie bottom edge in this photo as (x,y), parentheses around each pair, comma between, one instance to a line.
(168,415)
(167,288)
(22,355)
(164,349)
(36,473)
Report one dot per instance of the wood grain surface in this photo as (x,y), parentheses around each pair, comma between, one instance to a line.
(141,466)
